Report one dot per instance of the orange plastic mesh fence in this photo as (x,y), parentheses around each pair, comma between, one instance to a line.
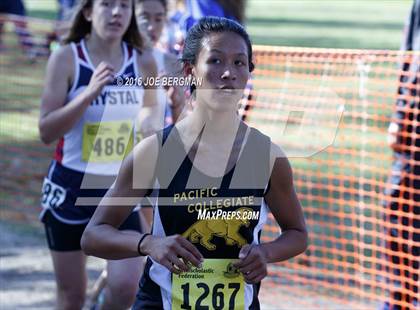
(329,110)
(24,46)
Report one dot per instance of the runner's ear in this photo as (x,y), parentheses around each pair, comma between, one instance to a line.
(87,13)
(188,69)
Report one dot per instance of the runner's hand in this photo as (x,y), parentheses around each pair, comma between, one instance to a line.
(103,75)
(174,252)
(252,263)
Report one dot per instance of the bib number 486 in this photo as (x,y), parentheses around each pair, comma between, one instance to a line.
(217,296)
(109,146)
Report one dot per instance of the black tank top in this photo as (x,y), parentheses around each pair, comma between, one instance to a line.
(185,192)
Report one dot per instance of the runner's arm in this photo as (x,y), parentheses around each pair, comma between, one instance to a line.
(149,120)
(148,69)
(284,204)
(56,117)
(102,237)
(176,93)
(286,209)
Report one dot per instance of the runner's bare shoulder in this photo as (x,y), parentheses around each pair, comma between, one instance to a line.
(140,165)
(278,157)
(62,61)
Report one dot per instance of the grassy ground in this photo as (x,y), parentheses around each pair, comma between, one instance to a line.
(371,24)
(368,24)
(42,8)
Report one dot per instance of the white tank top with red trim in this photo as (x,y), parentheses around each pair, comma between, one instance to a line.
(104,134)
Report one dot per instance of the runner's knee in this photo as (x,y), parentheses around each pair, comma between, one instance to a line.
(123,291)
(69,299)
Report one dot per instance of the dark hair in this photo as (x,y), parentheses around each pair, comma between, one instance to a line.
(207,26)
(163,2)
(81,27)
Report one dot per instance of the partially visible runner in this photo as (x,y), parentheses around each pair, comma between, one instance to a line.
(217,181)
(17,8)
(93,118)
(402,229)
(66,9)
(152,17)
(232,9)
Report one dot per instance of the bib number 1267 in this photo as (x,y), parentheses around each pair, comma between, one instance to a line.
(216,285)
(217,296)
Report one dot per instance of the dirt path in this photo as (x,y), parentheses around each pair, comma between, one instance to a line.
(27,279)
(26,275)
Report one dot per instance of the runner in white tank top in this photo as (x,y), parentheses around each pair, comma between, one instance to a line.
(114,111)
(85,107)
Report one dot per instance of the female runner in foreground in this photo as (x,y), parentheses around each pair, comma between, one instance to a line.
(217,179)
(92,117)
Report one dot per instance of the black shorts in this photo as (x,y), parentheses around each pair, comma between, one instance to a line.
(65,187)
(64,237)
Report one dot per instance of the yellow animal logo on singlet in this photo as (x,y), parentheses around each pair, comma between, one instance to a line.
(204,230)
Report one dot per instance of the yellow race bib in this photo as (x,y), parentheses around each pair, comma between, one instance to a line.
(107,141)
(217,285)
